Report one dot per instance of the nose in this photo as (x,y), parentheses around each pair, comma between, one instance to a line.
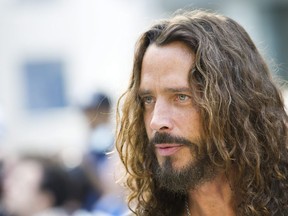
(161,120)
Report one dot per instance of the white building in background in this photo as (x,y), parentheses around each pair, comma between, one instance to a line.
(54,52)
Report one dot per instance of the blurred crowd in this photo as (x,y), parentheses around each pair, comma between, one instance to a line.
(41,185)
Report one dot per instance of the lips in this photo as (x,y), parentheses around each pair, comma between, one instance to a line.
(167,149)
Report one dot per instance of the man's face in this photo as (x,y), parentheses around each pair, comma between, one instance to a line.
(171,118)
(22,193)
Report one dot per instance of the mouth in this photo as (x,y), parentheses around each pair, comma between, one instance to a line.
(167,149)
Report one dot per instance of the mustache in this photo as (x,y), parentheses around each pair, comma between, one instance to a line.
(160,138)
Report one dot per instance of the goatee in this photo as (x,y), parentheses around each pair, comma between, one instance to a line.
(180,180)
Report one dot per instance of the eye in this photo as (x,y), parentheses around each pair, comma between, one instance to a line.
(147,100)
(182,97)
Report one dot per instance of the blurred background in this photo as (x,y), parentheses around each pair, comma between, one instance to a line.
(55,54)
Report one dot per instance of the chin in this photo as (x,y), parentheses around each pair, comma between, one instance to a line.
(181,175)
(175,164)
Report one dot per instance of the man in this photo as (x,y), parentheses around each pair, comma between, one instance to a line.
(203,127)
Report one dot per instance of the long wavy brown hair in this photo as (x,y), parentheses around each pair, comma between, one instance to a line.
(242,112)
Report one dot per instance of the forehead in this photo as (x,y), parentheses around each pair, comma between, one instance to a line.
(176,51)
(167,65)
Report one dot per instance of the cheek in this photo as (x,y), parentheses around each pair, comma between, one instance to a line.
(190,124)
(197,123)
(147,120)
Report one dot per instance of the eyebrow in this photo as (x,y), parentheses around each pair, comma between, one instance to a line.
(177,90)
(143,92)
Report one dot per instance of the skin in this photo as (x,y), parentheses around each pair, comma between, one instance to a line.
(168,107)
(22,194)
(167,98)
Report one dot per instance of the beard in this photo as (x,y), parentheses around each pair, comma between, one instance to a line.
(189,177)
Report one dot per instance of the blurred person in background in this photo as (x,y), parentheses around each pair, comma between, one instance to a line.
(98,164)
(97,111)
(35,186)
(81,190)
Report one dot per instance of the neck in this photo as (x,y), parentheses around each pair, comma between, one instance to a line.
(212,198)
